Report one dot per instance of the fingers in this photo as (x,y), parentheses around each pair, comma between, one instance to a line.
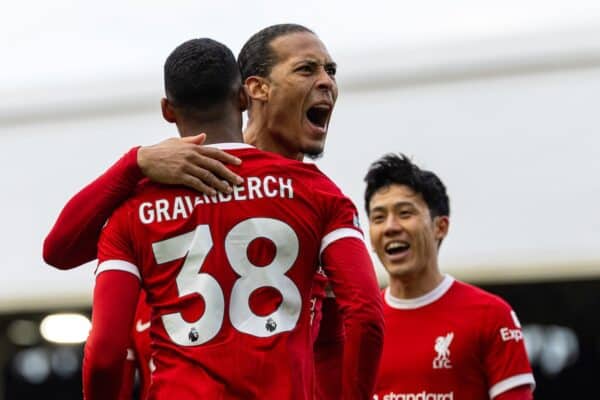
(213,160)
(186,161)
(208,179)
(193,182)
(196,139)
(220,155)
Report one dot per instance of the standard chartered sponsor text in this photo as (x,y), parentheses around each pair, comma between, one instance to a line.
(415,396)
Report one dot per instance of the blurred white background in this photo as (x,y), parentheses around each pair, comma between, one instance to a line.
(497,97)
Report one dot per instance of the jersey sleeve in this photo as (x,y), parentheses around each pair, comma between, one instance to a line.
(329,352)
(115,299)
(74,236)
(116,250)
(341,221)
(105,353)
(523,392)
(505,358)
(352,277)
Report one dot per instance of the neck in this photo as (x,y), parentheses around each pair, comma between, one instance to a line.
(410,286)
(219,131)
(258,135)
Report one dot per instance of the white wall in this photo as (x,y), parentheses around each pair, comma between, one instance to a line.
(520,156)
(509,123)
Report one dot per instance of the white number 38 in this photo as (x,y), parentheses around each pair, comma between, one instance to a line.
(196,245)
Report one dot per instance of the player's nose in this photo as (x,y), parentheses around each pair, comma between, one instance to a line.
(326,82)
(392,225)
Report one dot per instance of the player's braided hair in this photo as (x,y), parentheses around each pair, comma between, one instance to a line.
(399,169)
(257,56)
(201,73)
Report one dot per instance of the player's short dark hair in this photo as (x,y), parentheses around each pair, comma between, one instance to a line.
(399,169)
(200,73)
(257,56)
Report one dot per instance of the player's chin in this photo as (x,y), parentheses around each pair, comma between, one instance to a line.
(314,149)
(314,155)
(398,270)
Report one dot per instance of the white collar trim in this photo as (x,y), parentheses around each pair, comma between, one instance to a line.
(421,301)
(231,146)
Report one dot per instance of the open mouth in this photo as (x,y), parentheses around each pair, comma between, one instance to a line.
(318,115)
(394,248)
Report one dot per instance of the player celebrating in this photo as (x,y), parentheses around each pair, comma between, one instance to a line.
(444,339)
(229,276)
(73,238)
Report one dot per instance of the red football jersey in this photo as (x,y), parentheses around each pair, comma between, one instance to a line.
(457,342)
(229,277)
(139,354)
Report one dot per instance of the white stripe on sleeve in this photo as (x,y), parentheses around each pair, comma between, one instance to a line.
(118,265)
(511,383)
(339,234)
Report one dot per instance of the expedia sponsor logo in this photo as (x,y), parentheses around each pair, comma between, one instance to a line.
(511,334)
(415,396)
(507,333)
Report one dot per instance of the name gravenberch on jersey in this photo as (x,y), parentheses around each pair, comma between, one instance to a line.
(182,206)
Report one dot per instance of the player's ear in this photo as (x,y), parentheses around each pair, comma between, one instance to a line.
(441,226)
(167,110)
(257,88)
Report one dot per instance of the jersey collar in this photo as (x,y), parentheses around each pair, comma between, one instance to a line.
(421,301)
(231,146)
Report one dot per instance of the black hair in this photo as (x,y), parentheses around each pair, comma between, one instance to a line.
(201,73)
(257,56)
(399,169)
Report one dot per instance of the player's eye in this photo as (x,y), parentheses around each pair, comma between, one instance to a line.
(305,68)
(405,213)
(331,69)
(377,219)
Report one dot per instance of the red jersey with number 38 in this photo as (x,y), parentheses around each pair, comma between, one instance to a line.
(229,277)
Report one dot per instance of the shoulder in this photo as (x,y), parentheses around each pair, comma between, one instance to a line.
(478,296)
(488,309)
(321,180)
(255,158)
(481,303)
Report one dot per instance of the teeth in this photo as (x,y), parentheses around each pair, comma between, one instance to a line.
(395,245)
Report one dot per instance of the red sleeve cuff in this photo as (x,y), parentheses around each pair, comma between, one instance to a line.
(134,172)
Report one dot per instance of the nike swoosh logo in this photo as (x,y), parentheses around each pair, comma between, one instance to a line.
(141,327)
